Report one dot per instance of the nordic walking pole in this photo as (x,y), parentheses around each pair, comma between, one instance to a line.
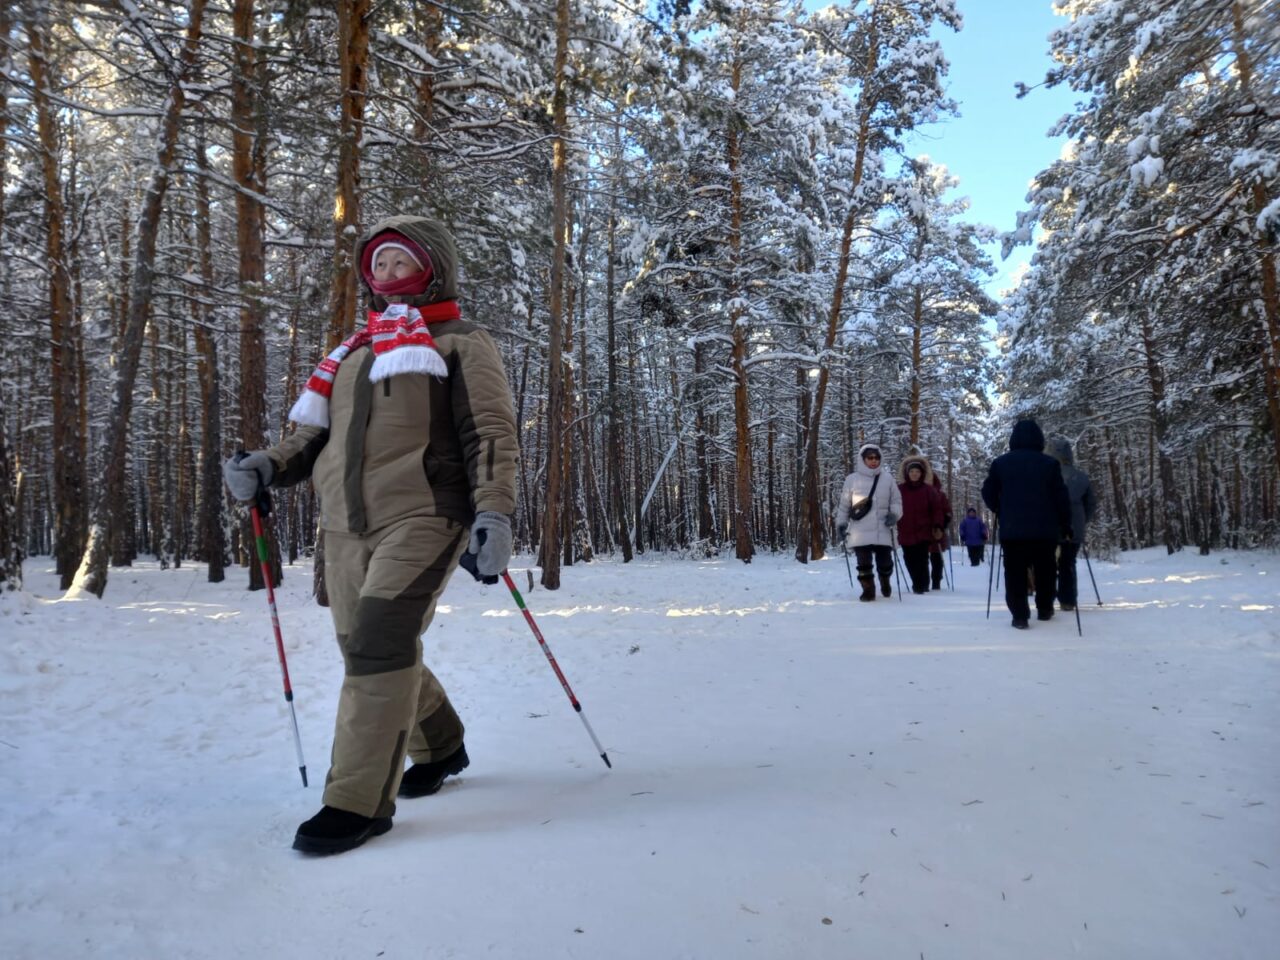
(257,510)
(995,562)
(1090,568)
(951,564)
(468,563)
(896,576)
(846,562)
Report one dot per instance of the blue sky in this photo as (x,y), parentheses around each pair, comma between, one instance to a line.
(998,143)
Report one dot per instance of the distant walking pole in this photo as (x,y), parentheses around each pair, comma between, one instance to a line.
(991,579)
(1091,580)
(893,540)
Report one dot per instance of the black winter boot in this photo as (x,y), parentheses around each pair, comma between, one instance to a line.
(424,779)
(336,831)
(868,589)
(886,585)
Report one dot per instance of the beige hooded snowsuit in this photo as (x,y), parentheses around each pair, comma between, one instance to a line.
(400,473)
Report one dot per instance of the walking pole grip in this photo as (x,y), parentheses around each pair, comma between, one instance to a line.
(468,562)
(263,498)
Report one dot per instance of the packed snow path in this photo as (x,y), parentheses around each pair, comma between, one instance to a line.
(795,774)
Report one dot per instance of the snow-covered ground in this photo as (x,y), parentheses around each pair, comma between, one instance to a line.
(795,774)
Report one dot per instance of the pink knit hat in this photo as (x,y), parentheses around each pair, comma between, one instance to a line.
(390,239)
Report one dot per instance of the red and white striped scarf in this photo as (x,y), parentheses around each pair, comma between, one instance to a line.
(401,344)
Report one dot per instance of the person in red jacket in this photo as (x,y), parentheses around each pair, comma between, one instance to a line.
(941,544)
(922,519)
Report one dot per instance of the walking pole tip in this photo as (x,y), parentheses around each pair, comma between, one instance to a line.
(303,771)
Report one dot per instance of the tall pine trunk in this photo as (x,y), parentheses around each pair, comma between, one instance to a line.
(68,467)
(917,357)
(10,527)
(551,517)
(1171,503)
(92,575)
(248,168)
(353,53)
(211,535)
(1260,199)
(10,540)
(807,532)
(353,56)
(744,548)
(615,461)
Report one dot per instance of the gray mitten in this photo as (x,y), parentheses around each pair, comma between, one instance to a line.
(890,519)
(493,550)
(245,478)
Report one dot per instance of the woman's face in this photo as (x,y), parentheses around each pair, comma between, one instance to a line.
(393,264)
(871,458)
(914,473)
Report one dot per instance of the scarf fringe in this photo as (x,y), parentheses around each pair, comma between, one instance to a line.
(310,410)
(401,344)
(408,359)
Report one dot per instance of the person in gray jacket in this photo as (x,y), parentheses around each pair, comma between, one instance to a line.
(1083,507)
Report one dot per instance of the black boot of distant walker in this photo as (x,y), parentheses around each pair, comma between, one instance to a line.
(868,589)
(424,779)
(1019,623)
(336,831)
(886,585)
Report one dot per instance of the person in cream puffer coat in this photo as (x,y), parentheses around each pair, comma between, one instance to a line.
(871,491)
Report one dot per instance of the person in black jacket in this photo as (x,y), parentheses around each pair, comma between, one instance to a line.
(1024,489)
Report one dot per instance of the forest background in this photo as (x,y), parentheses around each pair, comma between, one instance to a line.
(700,234)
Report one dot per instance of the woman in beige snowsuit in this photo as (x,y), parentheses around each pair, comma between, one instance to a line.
(407,432)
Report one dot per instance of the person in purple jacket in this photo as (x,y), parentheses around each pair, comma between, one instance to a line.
(973,534)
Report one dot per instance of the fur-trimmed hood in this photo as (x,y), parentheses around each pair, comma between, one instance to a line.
(921,459)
